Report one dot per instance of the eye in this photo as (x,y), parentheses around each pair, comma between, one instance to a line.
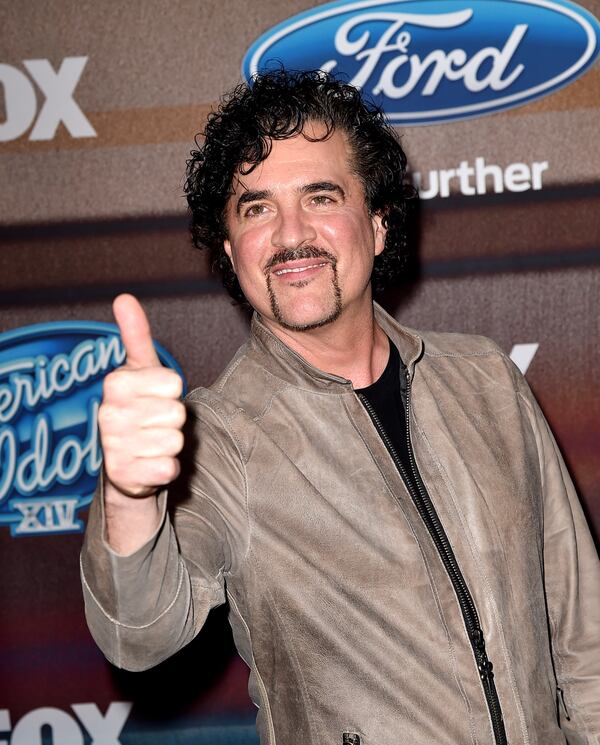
(255,209)
(322,200)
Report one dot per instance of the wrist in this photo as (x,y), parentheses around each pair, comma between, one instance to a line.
(122,500)
(129,521)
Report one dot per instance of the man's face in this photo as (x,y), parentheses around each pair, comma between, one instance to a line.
(301,240)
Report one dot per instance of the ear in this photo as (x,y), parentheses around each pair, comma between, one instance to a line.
(379,232)
(229,252)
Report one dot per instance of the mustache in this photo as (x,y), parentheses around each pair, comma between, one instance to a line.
(304,252)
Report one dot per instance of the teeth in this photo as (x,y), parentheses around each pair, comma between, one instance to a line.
(279,272)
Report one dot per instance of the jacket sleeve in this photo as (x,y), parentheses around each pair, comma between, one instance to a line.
(572,584)
(144,607)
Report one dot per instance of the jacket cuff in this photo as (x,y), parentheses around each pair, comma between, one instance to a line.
(112,581)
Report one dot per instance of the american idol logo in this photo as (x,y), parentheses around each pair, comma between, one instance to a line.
(50,389)
(427,61)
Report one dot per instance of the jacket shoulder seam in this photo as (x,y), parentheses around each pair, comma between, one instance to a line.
(228,372)
(225,420)
(482,353)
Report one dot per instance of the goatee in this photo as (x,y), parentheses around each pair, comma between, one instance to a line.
(305,252)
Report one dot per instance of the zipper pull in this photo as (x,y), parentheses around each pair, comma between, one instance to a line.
(561,693)
(486,669)
(478,640)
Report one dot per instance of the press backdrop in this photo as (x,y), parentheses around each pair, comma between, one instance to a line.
(92,152)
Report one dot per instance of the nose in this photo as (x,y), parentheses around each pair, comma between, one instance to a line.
(292,227)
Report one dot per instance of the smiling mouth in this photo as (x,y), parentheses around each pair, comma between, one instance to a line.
(298,260)
(299,269)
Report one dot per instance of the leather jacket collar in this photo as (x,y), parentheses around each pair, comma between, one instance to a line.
(294,369)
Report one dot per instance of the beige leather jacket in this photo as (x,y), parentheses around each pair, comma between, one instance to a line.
(293,510)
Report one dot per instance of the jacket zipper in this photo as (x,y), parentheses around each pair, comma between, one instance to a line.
(426,510)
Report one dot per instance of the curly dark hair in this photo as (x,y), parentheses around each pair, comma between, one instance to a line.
(275,106)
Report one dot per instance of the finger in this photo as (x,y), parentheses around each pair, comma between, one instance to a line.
(124,384)
(135,332)
(143,476)
(160,412)
(158,442)
(120,426)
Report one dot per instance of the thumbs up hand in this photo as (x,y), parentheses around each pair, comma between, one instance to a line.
(141,416)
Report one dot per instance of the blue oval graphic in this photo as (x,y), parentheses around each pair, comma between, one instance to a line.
(50,389)
(428,61)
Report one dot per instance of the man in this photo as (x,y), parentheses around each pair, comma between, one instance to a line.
(386,512)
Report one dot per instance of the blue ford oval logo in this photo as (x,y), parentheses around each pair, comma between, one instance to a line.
(427,61)
(50,389)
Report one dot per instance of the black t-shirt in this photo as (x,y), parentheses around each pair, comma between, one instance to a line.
(386,395)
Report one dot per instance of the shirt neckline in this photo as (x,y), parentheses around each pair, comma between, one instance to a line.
(390,372)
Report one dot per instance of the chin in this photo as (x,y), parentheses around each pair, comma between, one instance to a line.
(306,314)
(307,324)
(310,316)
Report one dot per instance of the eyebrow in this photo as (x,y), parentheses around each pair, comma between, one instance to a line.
(252,196)
(256,196)
(323,186)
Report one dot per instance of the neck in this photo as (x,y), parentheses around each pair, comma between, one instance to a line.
(353,348)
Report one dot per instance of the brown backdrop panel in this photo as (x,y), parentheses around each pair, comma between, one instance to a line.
(84,218)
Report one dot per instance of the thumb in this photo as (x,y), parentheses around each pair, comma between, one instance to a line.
(135,332)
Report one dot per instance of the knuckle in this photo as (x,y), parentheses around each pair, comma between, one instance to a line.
(107,414)
(178,441)
(169,469)
(113,384)
(110,445)
(174,381)
(180,413)
(174,415)
(108,385)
